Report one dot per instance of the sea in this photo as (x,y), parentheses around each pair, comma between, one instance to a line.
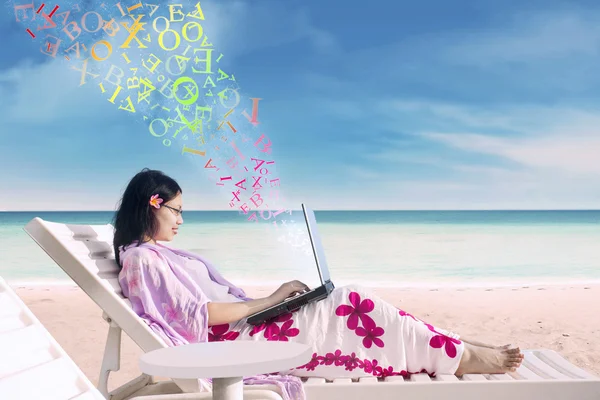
(404,249)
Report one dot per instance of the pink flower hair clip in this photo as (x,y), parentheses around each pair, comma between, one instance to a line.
(155,201)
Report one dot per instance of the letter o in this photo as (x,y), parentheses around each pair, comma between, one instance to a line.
(178,82)
(262,214)
(237,96)
(108,47)
(165,126)
(181,68)
(100,21)
(184,31)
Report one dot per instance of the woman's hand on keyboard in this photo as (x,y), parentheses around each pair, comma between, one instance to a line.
(288,289)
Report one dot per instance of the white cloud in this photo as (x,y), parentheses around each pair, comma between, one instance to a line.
(513,117)
(479,188)
(49,92)
(566,153)
(563,138)
(455,113)
(394,154)
(548,157)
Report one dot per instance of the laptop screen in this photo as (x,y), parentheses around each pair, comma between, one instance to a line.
(317,245)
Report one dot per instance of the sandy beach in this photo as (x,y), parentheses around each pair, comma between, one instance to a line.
(562,318)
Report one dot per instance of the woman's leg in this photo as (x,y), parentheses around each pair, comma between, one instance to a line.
(478,357)
(481,344)
(355,333)
(428,348)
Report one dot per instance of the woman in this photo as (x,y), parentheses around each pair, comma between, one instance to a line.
(353,333)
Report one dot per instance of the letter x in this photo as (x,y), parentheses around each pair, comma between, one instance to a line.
(84,72)
(136,26)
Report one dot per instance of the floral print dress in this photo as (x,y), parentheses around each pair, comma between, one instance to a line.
(355,334)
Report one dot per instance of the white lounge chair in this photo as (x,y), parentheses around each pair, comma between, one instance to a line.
(34,366)
(85,253)
(32,363)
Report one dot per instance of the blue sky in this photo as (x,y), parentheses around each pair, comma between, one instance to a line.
(384,105)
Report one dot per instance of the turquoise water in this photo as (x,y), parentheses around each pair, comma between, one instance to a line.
(390,248)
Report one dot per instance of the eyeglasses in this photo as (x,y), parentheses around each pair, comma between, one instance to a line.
(176,211)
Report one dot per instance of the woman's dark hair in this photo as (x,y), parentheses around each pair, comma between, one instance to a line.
(134,219)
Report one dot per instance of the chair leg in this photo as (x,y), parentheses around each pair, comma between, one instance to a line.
(111,362)
(128,389)
(112,355)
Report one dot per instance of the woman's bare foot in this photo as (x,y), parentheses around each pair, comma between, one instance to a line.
(485,360)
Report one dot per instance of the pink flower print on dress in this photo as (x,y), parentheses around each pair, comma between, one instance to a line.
(171,313)
(367,366)
(188,335)
(449,344)
(353,362)
(313,363)
(371,334)
(134,282)
(372,367)
(357,310)
(219,333)
(155,201)
(389,371)
(268,326)
(258,329)
(335,358)
(440,340)
(273,329)
(282,334)
(339,359)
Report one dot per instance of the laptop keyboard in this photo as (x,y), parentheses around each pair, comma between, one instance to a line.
(296,296)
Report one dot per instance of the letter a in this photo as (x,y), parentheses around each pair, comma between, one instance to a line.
(198,14)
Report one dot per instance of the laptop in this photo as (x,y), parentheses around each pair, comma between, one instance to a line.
(316,294)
